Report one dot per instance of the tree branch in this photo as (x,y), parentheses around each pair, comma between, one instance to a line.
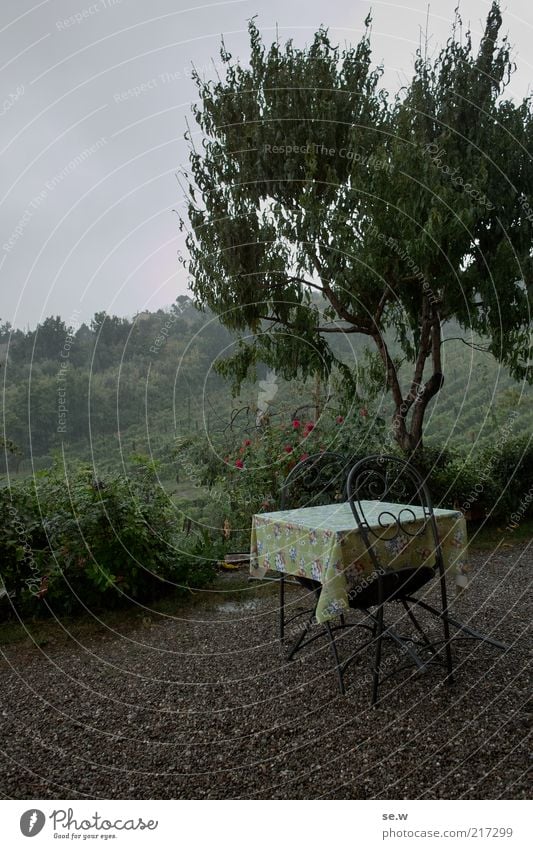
(468,344)
(423,353)
(334,300)
(351,329)
(436,342)
(383,303)
(392,376)
(305,283)
(433,385)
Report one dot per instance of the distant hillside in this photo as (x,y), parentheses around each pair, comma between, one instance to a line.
(116,387)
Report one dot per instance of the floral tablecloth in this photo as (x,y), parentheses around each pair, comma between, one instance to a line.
(323,543)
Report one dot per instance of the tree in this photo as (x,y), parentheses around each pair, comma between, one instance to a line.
(110,338)
(50,338)
(318,205)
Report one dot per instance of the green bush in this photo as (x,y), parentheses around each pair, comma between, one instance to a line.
(245,476)
(452,480)
(70,540)
(511,469)
(496,481)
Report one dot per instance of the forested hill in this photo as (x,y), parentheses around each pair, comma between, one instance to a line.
(135,384)
(79,385)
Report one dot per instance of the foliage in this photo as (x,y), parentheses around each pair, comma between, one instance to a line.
(114,375)
(245,476)
(496,480)
(318,204)
(454,482)
(8,446)
(71,540)
(512,477)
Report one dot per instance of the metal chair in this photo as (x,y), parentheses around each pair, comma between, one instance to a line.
(385,478)
(391,479)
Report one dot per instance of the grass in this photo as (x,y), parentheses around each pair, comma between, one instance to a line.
(483,536)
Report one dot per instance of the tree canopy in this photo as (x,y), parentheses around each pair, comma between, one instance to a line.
(320,204)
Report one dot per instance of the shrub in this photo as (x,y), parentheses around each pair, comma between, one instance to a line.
(455,483)
(496,481)
(245,475)
(512,478)
(70,540)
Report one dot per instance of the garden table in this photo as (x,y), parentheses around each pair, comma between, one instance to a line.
(323,543)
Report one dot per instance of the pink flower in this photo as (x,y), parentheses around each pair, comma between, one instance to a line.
(288,449)
(296,424)
(339,419)
(239,464)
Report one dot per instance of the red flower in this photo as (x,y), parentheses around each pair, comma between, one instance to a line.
(239,464)
(310,426)
(304,456)
(296,424)
(364,412)
(339,419)
(247,442)
(288,449)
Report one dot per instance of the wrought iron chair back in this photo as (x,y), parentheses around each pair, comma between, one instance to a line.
(391,480)
(315,480)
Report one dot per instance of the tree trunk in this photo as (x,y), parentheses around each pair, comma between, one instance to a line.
(410,437)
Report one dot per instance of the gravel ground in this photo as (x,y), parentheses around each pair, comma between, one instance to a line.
(200,705)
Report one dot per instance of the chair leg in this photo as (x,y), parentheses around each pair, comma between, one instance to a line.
(297,643)
(340,676)
(281,609)
(476,635)
(377,660)
(446,626)
(447,646)
(417,625)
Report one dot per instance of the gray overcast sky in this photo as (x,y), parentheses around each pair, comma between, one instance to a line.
(81,236)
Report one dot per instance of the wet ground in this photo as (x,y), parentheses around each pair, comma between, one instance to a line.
(197,702)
